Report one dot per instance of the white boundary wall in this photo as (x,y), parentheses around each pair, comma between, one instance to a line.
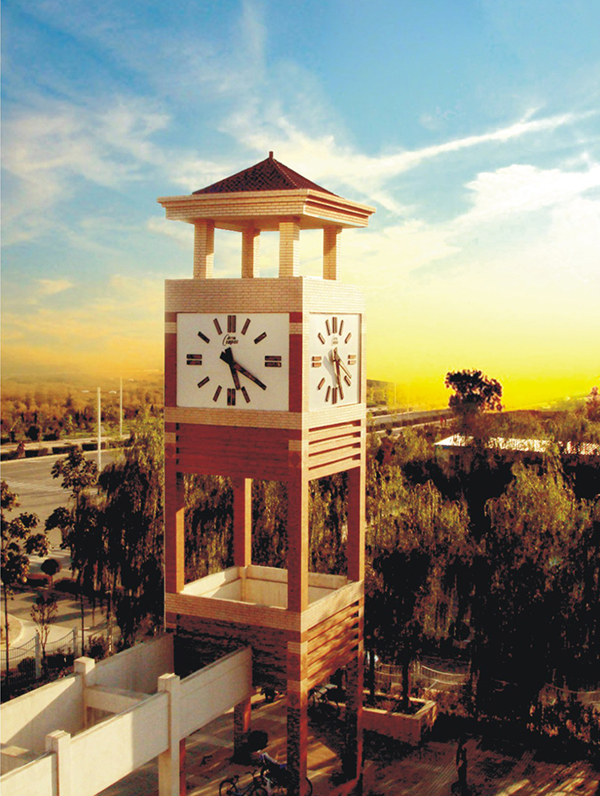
(74,761)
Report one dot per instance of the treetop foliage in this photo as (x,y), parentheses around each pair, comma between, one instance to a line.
(473,392)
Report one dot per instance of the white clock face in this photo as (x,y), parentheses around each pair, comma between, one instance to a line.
(237,360)
(334,360)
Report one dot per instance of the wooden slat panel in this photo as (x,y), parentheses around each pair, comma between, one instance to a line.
(329,432)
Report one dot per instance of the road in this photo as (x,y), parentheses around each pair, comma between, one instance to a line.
(40,494)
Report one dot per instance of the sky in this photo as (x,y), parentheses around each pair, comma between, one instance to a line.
(472,127)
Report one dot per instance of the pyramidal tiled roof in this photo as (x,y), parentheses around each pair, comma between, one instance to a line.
(268,175)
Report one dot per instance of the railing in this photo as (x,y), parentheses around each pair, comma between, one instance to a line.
(32,651)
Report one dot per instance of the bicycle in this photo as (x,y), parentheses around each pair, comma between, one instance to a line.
(256,787)
(276,778)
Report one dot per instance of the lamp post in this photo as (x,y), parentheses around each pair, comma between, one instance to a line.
(99,411)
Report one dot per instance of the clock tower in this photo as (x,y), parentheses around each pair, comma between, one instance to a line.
(265,379)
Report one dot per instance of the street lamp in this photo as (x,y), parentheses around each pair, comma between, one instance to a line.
(99,410)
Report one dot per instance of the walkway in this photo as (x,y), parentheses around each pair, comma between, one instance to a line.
(390,769)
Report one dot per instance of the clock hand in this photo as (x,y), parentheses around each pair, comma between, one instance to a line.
(227,356)
(341,364)
(249,375)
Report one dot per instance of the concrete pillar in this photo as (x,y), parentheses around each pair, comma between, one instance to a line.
(250,253)
(59,742)
(83,667)
(297,717)
(289,241)
(242,723)
(204,249)
(331,241)
(168,762)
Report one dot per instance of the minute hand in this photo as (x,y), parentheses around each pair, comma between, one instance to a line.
(249,375)
(340,362)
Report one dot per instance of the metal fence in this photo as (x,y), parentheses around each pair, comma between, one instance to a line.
(32,651)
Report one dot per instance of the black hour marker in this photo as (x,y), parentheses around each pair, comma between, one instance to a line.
(217,326)
(204,337)
(231,324)
(316,362)
(204,381)
(260,337)
(321,338)
(217,393)
(347,380)
(245,394)
(334,395)
(246,325)
(334,325)
(341,326)
(272,362)
(230,396)
(194,359)
(327,326)
(352,359)
(347,337)
(328,393)
(320,384)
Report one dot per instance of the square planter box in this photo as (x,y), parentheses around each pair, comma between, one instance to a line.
(402,727)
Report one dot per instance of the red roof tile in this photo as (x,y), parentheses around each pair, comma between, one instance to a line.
(268,175)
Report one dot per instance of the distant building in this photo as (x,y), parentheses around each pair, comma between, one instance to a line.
(450,452)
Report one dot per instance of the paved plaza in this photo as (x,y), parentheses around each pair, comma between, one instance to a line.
(494,769)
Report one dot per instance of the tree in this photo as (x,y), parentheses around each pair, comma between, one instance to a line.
(473,392)
(77,473)
(593,405)
(19,541)
(537,608)
(130,531)
(78,523)
(50,567)
(43,613)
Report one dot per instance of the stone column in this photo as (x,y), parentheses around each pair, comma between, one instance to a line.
(250,253)
(169,779)
(204,249)
(59,742)
(331,241)
(289,241)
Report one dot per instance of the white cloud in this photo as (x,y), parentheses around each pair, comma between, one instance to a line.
(49,147)
(50,287)
(519,189)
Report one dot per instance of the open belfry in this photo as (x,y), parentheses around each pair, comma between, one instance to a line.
(265,379)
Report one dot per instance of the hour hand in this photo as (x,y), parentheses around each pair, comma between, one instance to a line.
(227,356)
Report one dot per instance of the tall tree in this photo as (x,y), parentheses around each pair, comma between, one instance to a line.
(78,524)
(473,393)
(131,528)
(19,541)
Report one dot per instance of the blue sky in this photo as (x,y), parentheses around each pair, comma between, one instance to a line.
(472,127)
